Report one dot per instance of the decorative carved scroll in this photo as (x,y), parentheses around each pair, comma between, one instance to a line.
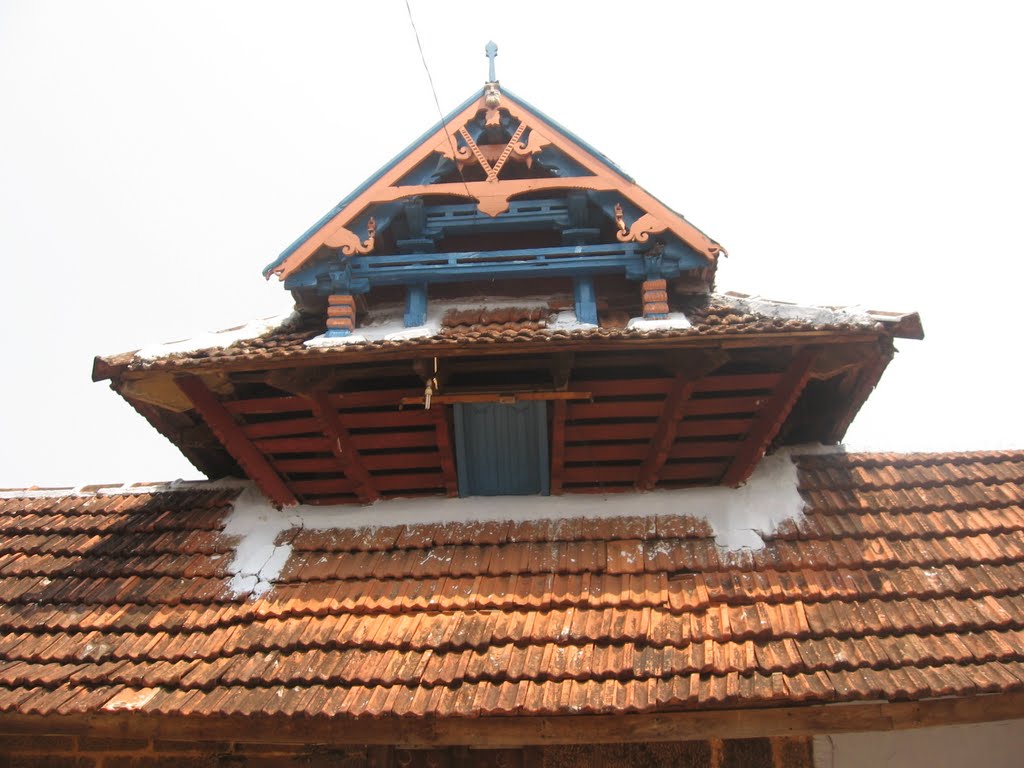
(641,229)
(349,241)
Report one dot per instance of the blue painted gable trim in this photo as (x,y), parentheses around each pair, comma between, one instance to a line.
(366,185)
(397,158)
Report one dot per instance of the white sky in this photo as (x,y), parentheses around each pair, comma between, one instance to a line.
(155,156)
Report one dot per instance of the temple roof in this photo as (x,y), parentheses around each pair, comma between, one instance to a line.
(896,577)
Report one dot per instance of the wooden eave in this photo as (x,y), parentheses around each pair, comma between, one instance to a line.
(683,418)
(512,731)
(127,366)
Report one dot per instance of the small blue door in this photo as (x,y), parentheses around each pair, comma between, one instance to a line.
(502,448)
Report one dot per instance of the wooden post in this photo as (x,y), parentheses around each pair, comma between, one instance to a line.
(415,305)
(341,314)
(248,456)
(557,446)
(444,448)
(585,300)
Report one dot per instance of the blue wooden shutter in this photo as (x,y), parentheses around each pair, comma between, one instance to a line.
(502,449)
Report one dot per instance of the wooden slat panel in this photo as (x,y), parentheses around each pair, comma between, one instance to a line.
(368,399)
(608,432)
(397,419)
(606,452)
(282,428)
(704,448)
(637,409)
(715,405)
(230,434)
(412,480)
(293,466)
(267,405)
(668,424)
(373,441)
(342,447)
(771,417)
(625,387)
(280,445)
(600,474)
(325,485)
(376,462)
(738,382)
(710,427)
(693,471)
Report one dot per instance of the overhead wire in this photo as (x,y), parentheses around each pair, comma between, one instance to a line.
(437,102)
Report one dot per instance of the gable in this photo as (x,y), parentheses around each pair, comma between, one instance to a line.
(457,160)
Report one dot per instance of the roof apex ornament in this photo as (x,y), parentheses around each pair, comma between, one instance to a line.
(491,49)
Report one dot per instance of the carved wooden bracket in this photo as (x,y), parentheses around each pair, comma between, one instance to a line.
(349,241)
(641,229)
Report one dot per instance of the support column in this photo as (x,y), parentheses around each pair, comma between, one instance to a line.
(655,299)
(586,300)
(341,314)
(416,305)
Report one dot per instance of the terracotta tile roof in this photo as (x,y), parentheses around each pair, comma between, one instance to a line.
(715,315)
(904,579)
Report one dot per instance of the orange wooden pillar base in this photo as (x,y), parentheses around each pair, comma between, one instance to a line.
(341,315)
(655,299)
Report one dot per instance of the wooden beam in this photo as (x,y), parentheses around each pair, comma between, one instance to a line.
(445,448)
(771,417)
(665,434)
(497,397)
(867,379)
(230,434)
(561,369)
(342,447)
(522,730)
(557,446)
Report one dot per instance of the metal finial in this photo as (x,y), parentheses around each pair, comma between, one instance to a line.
(491,49)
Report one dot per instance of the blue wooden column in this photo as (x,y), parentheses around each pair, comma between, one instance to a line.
(415,305)
(586,300)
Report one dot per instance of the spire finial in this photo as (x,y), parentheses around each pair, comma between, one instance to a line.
(491,49)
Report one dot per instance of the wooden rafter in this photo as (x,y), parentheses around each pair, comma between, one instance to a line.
(771,417)
(445,449)
(342,447)
(557,446)
(665,434)
(231,436)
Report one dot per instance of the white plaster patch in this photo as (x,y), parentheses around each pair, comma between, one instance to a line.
(736,515)
(675,320)
(566,320)
(334,341)
(808,313)
(217,339)
(387,322)
(130,699)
